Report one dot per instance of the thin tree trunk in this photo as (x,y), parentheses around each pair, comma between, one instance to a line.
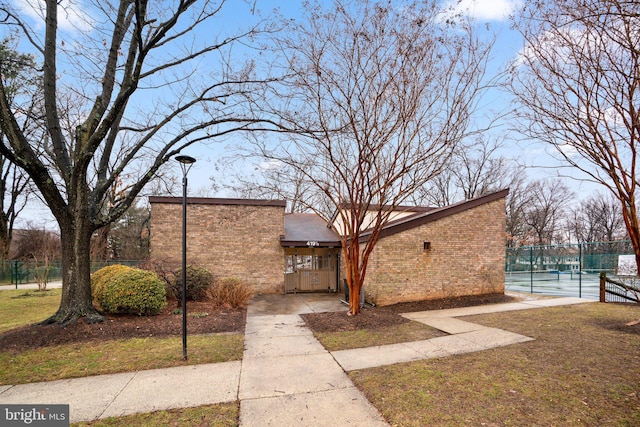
(352,258)
(630,217)
(5,238)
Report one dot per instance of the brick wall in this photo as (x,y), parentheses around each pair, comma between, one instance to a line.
(466,258)
(239,240)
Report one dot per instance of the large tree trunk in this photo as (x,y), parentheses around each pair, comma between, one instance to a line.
(76,273)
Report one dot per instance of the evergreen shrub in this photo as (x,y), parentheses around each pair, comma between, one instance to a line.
(199,280)
(127,290)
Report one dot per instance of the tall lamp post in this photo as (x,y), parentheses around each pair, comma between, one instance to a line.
(185,164)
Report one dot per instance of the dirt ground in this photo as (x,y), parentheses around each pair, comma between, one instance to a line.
(216,320)
(165,324)
(381,317)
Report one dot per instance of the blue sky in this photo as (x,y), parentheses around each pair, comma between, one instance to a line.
(492,19)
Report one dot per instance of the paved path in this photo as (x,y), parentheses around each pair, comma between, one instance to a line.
(285,378)
(25,286)
(288,378)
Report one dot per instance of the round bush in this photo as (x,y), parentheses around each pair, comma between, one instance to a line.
(199,280)
(99,280)
(130,291)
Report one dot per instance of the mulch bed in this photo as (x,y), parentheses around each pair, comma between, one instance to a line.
(165,324)
(217,320)
(383,317)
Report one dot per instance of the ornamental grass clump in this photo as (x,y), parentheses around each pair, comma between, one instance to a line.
(230,292)
(126,290)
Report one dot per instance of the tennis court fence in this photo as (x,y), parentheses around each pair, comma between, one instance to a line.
(567,269)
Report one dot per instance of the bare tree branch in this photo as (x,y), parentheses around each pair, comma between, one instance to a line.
(577,82)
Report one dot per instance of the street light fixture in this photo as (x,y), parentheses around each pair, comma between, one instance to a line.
(185,163)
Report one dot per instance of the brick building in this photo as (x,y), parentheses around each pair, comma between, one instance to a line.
(422,254)
(230,237)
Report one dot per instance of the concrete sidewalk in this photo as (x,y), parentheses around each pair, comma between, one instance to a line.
(285,378)
(25,286)
(288,378)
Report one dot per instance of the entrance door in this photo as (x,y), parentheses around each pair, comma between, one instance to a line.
(310,270)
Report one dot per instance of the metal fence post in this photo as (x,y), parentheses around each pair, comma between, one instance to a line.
(531,267)
(580,269)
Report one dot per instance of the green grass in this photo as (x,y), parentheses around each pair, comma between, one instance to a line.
(108,357)
(411,331)
(219,415)
(21,307)
(582,369)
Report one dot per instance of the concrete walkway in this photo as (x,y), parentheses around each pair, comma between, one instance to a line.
(28,286)
(286,377)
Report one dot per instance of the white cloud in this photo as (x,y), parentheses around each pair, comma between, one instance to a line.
(72,16)
(485,10)
(556,44)
(569,150)
(270,165)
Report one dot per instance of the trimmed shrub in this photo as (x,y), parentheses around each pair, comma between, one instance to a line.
(199,280)
(127,290)
(99,280)
(230,292)
(166,270)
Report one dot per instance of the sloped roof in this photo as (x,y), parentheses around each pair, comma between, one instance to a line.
(303,228)
(420,218)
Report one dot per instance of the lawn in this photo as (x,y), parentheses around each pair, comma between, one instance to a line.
(19,308)
(219,415)
(582,369)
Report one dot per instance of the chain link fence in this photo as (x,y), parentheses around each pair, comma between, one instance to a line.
(566,269)
(18,272)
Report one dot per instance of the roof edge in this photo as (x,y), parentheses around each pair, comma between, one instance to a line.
(412,221)
(217,201)
(306,244)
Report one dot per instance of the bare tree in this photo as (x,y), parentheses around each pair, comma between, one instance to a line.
(545,210)
(41,248)
(379,97)
(475,169)
(577,83)
(517,203)
(14,183)
(597,219)
(133,85)
(273,181)
(129,236)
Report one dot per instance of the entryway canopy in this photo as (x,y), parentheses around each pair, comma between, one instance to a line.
(312,252)
(308,230)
